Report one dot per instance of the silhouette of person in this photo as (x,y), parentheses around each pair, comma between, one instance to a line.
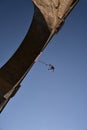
(51,67)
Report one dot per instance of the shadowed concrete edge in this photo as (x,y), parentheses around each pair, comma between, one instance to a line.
(42,29)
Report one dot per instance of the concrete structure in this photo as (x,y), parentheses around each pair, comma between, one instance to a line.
(49,16)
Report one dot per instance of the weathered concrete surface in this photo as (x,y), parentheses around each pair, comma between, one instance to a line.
(55,11)
(47,20)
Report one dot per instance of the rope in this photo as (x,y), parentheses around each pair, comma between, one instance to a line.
(42,62)
(51,67)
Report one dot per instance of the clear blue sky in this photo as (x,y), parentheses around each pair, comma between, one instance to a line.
(47,100)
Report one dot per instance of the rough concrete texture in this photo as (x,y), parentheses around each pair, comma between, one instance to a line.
(54,11)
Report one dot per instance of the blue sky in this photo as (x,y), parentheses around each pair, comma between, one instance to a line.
(47,100)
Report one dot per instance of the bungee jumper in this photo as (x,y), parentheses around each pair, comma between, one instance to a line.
(50,66)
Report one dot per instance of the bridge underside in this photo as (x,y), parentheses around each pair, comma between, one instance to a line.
(41,31)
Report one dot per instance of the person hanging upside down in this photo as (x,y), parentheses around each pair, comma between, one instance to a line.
(51,67)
